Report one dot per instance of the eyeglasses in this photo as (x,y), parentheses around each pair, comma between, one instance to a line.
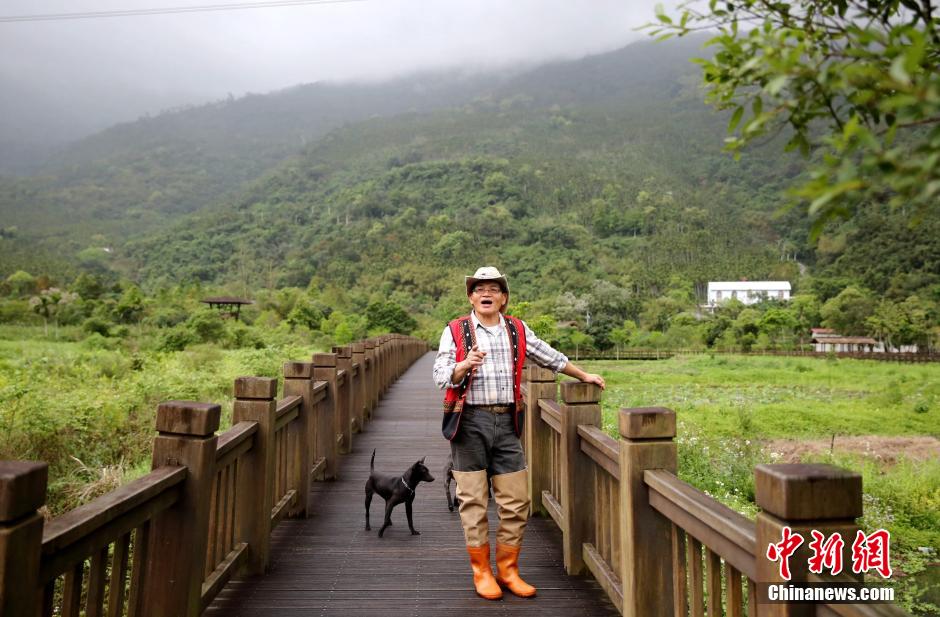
(493,289)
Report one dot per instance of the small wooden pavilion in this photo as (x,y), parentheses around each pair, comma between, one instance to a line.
(227,305)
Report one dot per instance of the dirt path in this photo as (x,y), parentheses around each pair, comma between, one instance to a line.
(887,450)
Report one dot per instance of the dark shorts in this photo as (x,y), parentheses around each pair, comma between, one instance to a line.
(486,441)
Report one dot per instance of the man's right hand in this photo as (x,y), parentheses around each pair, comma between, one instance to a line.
(473,360)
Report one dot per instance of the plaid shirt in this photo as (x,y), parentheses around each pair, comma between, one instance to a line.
(492,382)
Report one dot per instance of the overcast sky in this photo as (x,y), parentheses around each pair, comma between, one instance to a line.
(75,76)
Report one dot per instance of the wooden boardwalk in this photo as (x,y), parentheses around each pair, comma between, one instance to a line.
(329,565)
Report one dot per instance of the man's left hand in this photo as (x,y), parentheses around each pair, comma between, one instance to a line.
(595,379)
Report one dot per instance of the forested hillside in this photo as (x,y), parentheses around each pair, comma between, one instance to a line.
(598,184)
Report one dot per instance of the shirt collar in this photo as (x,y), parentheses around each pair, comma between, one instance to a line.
(476,321)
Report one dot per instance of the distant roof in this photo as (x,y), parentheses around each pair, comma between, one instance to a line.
(823,331)
(227,300)
(749,285)
(848,340)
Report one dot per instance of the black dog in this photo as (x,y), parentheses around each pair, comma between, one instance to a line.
(448,478)
(394,490)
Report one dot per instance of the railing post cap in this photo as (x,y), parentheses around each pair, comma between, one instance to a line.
(537,373)
(256,387)
(22,488)
(580,392)
(358,348)
(647,423)
(806,492)
(188,418)
(369,344)
(324,360)
(343,351)
(298,370)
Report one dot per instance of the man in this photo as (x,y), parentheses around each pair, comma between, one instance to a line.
(479,363)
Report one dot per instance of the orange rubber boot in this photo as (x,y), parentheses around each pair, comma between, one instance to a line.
(483,578)
(507,571)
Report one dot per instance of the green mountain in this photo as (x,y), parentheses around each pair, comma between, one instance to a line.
(603,171)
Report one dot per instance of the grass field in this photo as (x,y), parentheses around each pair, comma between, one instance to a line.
(735,412)
(88,407)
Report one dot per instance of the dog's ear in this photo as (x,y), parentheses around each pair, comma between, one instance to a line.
(423,458)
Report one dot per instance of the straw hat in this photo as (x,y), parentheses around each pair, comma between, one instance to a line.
(488,273)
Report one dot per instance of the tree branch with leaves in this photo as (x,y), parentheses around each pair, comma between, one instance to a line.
(855,82)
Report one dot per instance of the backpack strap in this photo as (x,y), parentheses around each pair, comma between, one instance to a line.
(516,330)
(461,330)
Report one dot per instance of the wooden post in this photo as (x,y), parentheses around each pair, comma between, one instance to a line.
(22,492)
(381,350)
(345,399)
(803,498)
(538,435)
(647,442)
(372,386)
(324,369)
(254,402)
(298,381)
(359,359)
(386,363)
(577,473)
(179,535)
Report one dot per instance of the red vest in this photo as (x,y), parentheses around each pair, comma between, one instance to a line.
(454,398)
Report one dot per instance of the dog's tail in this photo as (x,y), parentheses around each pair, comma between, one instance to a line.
(372,462)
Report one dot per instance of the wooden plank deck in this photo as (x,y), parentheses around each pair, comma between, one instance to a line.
(329,565)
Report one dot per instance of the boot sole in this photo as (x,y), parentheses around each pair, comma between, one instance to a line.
(499,597)
(518,595)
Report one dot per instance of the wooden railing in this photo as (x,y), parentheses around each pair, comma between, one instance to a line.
(165,544)
(630,353)
(658,546)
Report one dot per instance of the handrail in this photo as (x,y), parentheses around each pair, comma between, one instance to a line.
(76,534)
(656,544)
(287,404)
(727,533)
(551,413)
(601,447)
(168,542)
(319,391)
(233,438)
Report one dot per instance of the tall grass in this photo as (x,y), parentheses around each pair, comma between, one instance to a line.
(88,409)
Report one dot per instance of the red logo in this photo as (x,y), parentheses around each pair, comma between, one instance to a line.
(872,553)
(869,552)
(826,554)
(781,551)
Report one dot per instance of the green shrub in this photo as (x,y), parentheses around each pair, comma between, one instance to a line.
(176,339)
(168,317)
(97,341)
(240,336)
(97,325)
(17,311)
(207,325)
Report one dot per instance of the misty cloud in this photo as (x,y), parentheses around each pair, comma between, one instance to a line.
(67,78)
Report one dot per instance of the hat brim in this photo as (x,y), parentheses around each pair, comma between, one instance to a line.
(471,281)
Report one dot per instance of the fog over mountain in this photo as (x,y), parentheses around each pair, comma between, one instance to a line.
(63,79)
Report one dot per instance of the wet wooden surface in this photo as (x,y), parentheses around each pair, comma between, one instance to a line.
(329,564)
